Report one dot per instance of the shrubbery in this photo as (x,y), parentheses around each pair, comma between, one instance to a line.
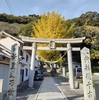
(95,69)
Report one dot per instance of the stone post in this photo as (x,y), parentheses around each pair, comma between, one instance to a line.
(87,74)
(63,70)
(12,81)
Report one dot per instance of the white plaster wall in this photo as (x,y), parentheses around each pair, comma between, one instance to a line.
(76,64)
(4,70)
(18,75)
(27,64)
(8,42)
(26,77)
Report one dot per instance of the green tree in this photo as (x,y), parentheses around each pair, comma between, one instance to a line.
(92,41)
(27,30)
(52,26)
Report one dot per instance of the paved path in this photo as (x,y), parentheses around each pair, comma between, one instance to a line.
(49,91)
(71,94)
(29,93)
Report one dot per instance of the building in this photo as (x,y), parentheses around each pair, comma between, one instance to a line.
(4,65)
(6,41)
(74,65)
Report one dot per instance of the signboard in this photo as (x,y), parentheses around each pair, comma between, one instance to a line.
(12,82)
(87,75)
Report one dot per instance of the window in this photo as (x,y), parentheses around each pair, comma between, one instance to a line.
(21,52)
(26,72)
(26,57)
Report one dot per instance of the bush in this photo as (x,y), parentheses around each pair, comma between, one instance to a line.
(95,69)
(67,74)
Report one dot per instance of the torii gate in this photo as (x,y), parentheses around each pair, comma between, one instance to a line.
(52,43)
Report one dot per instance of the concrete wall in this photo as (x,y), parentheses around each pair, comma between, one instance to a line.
(96,74)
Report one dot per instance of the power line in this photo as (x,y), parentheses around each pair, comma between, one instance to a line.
(9,6)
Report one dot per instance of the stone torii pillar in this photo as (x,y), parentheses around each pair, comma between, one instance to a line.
(32,67)
(71,75)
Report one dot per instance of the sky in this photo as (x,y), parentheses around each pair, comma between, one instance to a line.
(69,9)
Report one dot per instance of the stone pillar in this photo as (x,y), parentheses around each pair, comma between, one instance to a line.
(12,76)
(32,67)
(63,70)
(1,88)
(71,75)
(87,74)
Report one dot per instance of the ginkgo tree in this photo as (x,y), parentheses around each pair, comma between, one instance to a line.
(51,26)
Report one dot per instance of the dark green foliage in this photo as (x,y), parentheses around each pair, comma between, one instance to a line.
(87,25)
(89,18)
(18,19)
(26,30)
(95,69)
(92,17)
(17,25)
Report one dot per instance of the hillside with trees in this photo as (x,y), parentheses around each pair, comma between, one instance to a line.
(88,25)
(14,24)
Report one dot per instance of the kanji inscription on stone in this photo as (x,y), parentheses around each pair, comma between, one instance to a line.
(87,75)
(12,82)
